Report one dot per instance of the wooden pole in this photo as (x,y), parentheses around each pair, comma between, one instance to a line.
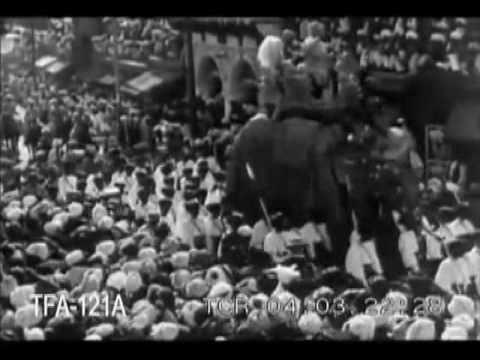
(2,95)
(190,75)
(34,53)
(114,30)
(116,70)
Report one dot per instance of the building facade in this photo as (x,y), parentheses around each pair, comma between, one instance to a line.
(227,49)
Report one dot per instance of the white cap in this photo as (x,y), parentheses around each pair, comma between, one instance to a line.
(437,37)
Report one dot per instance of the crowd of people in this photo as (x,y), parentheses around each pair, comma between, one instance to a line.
(138,39)
(55,38)
(135,208)
(141,39)
(394,44)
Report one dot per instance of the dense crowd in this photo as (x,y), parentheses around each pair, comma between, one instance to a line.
(138,39)
(56,39)
(135,209)
(395,44)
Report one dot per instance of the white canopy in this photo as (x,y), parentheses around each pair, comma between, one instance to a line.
(145,82)
(45,61)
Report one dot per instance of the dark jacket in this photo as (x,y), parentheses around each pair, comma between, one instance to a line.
(234,249)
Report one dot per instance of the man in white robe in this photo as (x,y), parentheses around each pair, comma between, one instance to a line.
(190,226)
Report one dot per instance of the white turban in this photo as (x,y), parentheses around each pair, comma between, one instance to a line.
(105,223)
(22,295)
(13,213)
(92,280)
(454,333)
(27,316)
(180,278)
(122,225)
(270,52)
(8,320)
(61,217)
(411,35)
(34,334)
(215,274)
(463,320)
(38,249)
(133,282)
(259,319)
(117,280)
(213,197)
(286,274)
(103,330)
(245,231)
(10,197)
(397,301)
(385,33)
(147,253)
(74,257)
(180,259)
(221,289)
(29,200)
(133,265)
(52,228)
(98,212)
(102,256)
(140,306)
(362,326)
(145,317)
(421,329)
(106,247)
(188,311)
(437,37)
(165,331)
(310,323)
(289,306)
(93,337)
(196,288)
(75,209)
(461,304)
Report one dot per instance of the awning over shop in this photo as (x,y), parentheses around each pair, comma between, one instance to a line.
(129,64)
(132,63)
(107,80)
(145,82)
(130,91)
(45,61)
(164,84)
(57,67)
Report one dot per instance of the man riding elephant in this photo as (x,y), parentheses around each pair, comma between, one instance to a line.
(290,153)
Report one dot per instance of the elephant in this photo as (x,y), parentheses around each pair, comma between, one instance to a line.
(293,162)
(428,97)
(302,164)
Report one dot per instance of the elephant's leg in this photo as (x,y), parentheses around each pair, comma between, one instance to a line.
(333,200)
(410,184)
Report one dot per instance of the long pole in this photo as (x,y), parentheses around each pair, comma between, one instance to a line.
(116,70)
(190,74)
(34,53)
(2,74)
